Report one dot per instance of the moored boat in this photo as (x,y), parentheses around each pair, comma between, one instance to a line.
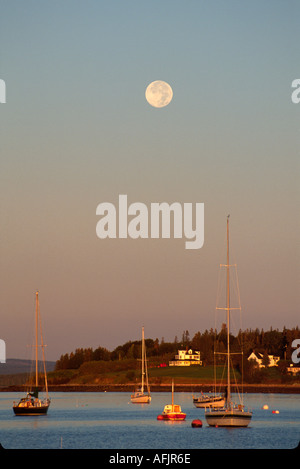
(231,414)
(172,411)
(206,400)
(31,404)
(141,397)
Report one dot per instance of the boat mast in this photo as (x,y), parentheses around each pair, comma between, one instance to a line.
(37,323)
(228,316)
(36,337)
(43,353)
(146,370)
(143,358)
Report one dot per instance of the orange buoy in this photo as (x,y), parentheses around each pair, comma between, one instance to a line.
(196,423)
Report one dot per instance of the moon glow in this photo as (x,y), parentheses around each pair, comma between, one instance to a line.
(159,93)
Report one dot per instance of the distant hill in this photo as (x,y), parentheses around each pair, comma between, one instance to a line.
(14,366)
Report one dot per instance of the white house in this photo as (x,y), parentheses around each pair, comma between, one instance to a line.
(258,357)
(186,358)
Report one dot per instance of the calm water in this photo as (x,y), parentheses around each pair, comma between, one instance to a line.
(110,421)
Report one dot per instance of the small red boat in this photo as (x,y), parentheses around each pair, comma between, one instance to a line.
(172,411)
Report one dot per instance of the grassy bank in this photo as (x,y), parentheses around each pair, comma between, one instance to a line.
(125,372)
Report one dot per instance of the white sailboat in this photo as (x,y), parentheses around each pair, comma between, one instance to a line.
(141,397)
(231,415)
(213,399)
(31,404)
(207,400)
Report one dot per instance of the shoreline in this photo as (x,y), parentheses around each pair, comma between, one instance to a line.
(193,388)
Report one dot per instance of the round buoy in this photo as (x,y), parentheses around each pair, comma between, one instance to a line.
(275,411)
(196,423)
(159,417)
(265,407)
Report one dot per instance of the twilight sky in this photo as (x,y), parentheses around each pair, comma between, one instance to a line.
(77,131)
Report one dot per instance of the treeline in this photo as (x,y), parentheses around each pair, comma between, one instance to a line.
(272,342)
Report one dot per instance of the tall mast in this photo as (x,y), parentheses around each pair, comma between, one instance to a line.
(36,337)
(228,316)
(143,357)
(146,370)
(43,352)
(37,324)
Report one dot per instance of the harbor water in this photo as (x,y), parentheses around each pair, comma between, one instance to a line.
(108,420)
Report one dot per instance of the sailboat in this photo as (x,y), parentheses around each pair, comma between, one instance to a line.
(31,404)
(231,415)
(207,400)
(172,411)
(140,397)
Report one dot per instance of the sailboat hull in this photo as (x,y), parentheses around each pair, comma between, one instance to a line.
(202,403)
(228,418)
(172,411)
(31,410)
(140,399)
(172,416)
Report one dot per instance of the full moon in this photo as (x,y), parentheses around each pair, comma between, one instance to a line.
(159,93)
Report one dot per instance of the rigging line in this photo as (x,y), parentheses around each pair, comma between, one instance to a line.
(31,355)
(221,279)
(43,349)
(235,380)
(222,375)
